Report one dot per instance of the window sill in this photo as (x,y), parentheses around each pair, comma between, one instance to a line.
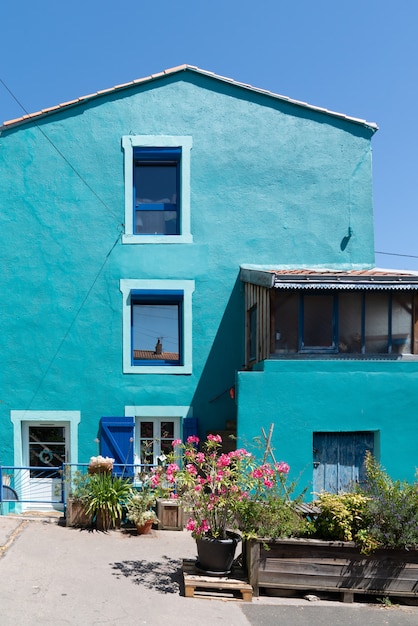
(157,369)
(156,239)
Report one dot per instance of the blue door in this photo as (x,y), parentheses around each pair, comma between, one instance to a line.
(338,460)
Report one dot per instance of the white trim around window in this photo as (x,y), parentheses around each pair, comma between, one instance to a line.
(129,142)
(187,287)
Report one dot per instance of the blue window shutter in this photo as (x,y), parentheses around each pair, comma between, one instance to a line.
(116,441)
(190,427)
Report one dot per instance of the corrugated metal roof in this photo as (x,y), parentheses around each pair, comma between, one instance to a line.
(174,70)
(305,278)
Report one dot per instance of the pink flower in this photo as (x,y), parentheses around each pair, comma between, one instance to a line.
(193,439)
(216,438)
(204,527)
(282,467)
(155,481)
(239,453)
(200,457)
(191,469)
(223,461)
(176,442)
(191,524)
(174,496)
(268,483)
(257,473)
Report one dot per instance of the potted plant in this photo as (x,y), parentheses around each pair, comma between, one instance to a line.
(212,485)
(76,504)
(105,497)
(139,510)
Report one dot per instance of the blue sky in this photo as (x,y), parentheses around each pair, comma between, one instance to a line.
(359,58)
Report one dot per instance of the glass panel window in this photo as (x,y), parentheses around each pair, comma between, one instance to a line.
(401,323)
(157,191)
(346,322)
(146,443)
(46,450)
(156,335)
(350,311)
(286,315)
(318,322)
(156,438)
(376,325)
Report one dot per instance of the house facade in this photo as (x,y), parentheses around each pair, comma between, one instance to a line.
(144,231)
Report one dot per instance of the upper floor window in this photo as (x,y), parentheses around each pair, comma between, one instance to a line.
(157,189)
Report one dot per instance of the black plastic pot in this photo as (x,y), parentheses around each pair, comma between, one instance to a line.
(216,556)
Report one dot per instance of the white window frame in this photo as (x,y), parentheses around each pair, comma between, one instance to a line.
(187,287)
(129,142)
(157,414)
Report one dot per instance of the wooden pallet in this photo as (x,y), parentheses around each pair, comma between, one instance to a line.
(212,586)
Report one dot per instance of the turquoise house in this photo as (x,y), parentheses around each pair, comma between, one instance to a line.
(185,253)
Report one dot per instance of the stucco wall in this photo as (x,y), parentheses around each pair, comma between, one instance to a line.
(270,183)
(302,397)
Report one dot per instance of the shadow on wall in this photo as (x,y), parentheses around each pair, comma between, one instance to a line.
(212,402)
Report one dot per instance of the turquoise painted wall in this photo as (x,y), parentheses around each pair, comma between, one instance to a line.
(302,397)
(270,183)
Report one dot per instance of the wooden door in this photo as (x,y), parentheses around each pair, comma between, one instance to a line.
(338,459)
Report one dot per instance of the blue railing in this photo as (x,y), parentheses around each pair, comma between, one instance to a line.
(50,485)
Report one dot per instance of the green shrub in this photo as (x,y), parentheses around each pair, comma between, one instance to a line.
(342,515)
(392,508)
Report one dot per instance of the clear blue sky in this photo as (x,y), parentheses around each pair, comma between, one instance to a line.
(359,58)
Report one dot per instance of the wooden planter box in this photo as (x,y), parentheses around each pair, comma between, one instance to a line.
(312,565)
(170,514)
(75,514)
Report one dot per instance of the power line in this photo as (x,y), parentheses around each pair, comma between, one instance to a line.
(409,256)
(70,165)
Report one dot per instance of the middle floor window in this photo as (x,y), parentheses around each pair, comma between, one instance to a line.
(157,326)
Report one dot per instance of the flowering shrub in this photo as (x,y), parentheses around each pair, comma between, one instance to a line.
(214,486)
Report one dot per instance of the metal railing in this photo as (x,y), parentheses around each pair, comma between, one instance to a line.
(28,487)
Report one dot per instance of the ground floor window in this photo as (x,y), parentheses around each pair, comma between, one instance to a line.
(156,427)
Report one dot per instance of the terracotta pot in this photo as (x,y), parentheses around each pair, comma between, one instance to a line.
(144,529)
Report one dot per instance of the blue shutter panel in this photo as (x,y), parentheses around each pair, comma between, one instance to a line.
(190,427)
(116,441)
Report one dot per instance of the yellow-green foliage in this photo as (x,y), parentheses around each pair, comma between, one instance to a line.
(342,515)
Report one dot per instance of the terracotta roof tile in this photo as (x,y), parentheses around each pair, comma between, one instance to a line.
(150,355)
(181,68)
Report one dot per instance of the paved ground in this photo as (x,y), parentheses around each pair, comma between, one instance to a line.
(51,574)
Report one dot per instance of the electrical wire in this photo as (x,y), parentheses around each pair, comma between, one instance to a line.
(70,165)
